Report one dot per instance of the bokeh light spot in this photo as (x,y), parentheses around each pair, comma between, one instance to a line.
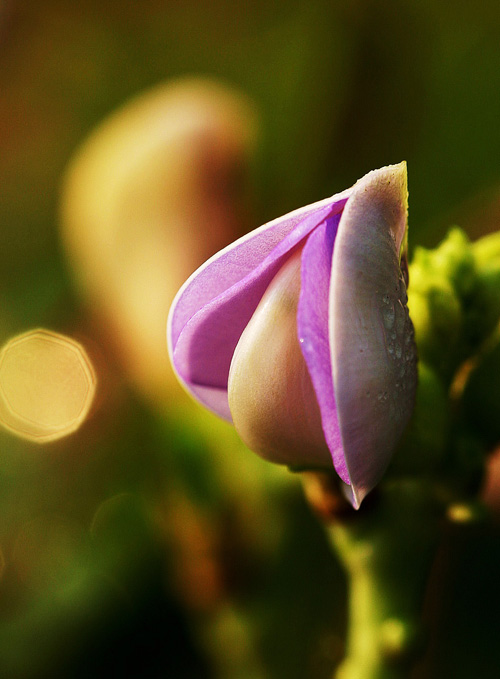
(47,385)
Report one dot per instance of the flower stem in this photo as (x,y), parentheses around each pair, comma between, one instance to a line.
(386,549)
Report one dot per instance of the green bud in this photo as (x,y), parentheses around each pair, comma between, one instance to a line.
(452,260)
(487,249)
(437,318)
(454,299)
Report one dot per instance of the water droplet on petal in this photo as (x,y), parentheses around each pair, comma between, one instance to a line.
(400,319)
(388,316)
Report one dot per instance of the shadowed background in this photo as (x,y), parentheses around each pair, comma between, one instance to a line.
(150,543)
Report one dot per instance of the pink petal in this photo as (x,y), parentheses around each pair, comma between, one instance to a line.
(214,306)
(272,399)
(312,322)
(371,335)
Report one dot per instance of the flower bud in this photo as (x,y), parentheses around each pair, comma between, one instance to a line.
(437,317)
(299,332)
(156,189)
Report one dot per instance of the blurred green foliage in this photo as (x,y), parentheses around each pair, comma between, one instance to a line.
(132,547)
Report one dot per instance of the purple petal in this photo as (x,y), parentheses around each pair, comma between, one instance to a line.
(272,399)
(371,335)
(312,323)
(214,306)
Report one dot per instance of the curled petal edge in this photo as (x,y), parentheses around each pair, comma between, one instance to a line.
(216,303)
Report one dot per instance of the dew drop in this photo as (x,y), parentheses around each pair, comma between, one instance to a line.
(388,316)
(399,351)
(400,319)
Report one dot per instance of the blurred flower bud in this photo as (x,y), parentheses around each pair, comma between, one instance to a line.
(436,315)
(155,190)
(455,299)
(453,259)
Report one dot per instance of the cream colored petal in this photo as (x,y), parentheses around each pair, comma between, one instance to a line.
(271,396)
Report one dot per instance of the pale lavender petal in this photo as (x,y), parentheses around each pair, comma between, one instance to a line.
(213,308)
(371,335)
(312,324)
(272,399)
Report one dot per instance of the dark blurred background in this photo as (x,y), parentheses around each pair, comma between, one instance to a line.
(150,543)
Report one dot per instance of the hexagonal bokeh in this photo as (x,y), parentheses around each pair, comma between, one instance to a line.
(47,385)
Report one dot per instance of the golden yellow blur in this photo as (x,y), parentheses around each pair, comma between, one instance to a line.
(156,189)
(47,385)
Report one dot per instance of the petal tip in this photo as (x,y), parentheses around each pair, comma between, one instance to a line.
(390,182)
(354,495)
